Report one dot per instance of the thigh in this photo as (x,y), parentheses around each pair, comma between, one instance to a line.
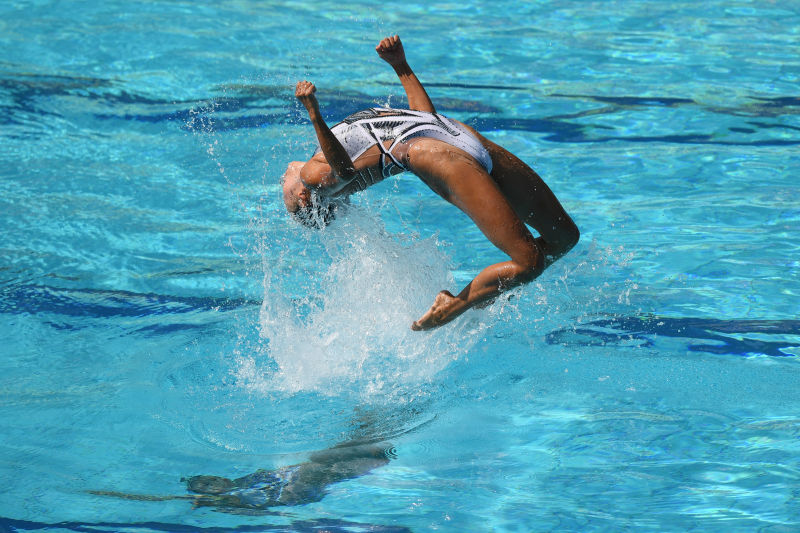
(461,180)
(529,195)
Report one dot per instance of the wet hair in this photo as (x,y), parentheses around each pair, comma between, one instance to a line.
(208,484)
(319,214)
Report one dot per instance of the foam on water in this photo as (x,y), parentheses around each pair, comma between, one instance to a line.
(351,332)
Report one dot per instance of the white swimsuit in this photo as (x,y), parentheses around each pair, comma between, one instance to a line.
(364,129)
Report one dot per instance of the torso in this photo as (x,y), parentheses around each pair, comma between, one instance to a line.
(378,139)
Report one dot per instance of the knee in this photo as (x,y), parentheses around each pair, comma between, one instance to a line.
(571,235)
(567,237)
(531,264)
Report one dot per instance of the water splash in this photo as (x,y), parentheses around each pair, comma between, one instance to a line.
(351,332)
(338,303)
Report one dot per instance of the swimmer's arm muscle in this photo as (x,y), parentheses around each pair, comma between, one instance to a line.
(418,99)
(335,154)
(391,50)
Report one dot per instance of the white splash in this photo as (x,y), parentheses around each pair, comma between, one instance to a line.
(356,337)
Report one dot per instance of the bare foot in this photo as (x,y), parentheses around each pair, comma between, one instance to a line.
(441,312)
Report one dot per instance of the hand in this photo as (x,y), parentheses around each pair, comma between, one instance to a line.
(304,91)
(391,50)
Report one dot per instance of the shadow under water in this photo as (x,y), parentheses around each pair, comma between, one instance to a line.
(249,105)
(366,448)
(297,484)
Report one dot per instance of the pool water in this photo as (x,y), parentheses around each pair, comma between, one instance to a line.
(162,317)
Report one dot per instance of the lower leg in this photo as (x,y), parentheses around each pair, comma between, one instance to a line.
(461,180)
(489,283)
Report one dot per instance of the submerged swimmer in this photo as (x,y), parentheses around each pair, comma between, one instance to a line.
(292,485)
(499,192)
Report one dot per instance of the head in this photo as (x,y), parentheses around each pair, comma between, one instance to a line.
(295,193)
(301,202)
(208,484)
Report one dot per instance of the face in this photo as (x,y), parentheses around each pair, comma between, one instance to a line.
(295,194)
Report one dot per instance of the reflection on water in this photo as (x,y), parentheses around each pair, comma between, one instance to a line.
(297,484)
(366,449)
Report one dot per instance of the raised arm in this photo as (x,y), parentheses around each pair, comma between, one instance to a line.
(391,50)
(341,165)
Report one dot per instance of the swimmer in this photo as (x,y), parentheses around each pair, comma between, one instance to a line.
(292,485)
(499,192)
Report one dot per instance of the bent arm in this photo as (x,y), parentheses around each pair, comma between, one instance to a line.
(391,50)
(335,154)
(418,99)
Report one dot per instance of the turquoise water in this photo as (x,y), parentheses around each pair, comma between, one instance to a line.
(162,318)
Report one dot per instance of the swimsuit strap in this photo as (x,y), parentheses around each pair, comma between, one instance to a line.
(417,128)
(386,167)
(398,125)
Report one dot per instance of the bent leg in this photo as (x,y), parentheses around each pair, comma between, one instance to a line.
(532,200)
(462,181)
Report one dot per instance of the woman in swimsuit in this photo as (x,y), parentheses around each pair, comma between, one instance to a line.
(493,187)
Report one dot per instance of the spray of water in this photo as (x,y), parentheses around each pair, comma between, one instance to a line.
(351,332)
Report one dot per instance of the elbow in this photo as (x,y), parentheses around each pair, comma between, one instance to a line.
(530,265)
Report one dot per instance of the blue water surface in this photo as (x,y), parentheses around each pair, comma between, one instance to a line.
(163,318)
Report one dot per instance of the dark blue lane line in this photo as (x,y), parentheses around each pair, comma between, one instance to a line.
(457,85)
(645,329)
(558,131)
(626,101)
(31,96)
(208,116)
(778,101)
(764,125)
(96,303)
(27,86)
(694,139)
(567,132)
(10,525)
